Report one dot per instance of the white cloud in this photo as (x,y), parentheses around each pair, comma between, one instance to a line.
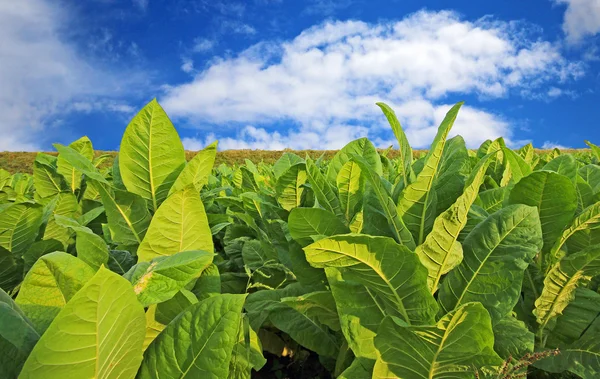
(553,145)
(237,27)
(582,18)
(331,75)
(187,66)
(202,45)
(42,76)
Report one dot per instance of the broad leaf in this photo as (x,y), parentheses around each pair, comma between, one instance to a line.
(496,254)
(180,224)
(461,340)
(405,157)
(52,281)
(311,224)
(415,205)
(289,186)
(388,269)
(19,226)
(72,176)
(151,155)
(441,250)
(197,170)
(128,216)
(198,344)
(99,334)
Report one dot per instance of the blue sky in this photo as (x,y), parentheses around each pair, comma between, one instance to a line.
(271,74)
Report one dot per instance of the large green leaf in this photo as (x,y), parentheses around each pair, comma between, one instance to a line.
(91,248)
(512,338)
(581,357)
(180,224)
(415,205)
(385,205)
(588,219)
(247,353)
(461,341)
(290,186)
(52,281)
(441,250)
(515,167)
(565,165)
(197,171)
(286,161)
(554,196)
(360,313)
(198,343)
(11,270)
(591,175)
(311,224)
(151,155)
(350,185)
(496,254)
(361,147)
(388,269)
(72,176)
(576,318)
(405,157)
(322,189)
(127,214)
(318,305)
(562,281)
(48,182)
(66,205)
(157,281)
(79,162)
(17,337)
(19,226)
(98,334)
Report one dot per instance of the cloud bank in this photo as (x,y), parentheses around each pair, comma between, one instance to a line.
(319,89)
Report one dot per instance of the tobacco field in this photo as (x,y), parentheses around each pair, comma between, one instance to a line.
(456,263)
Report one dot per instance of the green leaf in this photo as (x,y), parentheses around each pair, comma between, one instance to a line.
(19,226)
(512,338)
(588,219)
(52,281)
(17,337)
(151,155)
(311,224)
(384,267)
(554,196)
(11,270)
(208,284)
(286,161)
(595,149)
(385,204)
(247,353)
(318,305)
(289,186)
(180,224)
(361,147)
(77,161)
(496,254)
(99,334)
(198,343)
(46,179)
(66,206)
(72,176)
(591,175)
(461,340)
(127,214)
(415,205)
(360,312)
(324,192)
(405,157)
(565,165)
(516,167)
(561,282)
(441,251)
(493,199)
(168,310)
(361,368)
(257,253)
(576,318)
(91,249)
(38,249)
(351,185)
(581,358)
(157,281)
(197,171)
(120,261)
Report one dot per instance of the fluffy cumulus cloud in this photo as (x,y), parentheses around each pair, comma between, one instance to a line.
(42,76)
(319,89)
(582,18)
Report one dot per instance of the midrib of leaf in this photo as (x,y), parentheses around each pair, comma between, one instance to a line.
(441,346)
(476,273)
(12,231)
(439,274)
(384,278)
(72,179)
(150,160)
(549,315)
(182,222)
(125,218)
(428,191)
(573,229)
